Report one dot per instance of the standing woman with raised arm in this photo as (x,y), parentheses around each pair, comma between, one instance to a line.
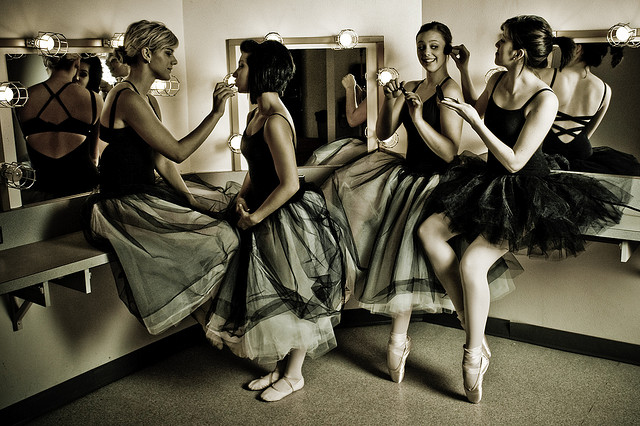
(511,202)
(290,285)
(173,256)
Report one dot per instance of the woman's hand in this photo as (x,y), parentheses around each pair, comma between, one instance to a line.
(466,111)
(349,82)
(393,89)
(415,105)
(460,55)
(247,220)
(221,93)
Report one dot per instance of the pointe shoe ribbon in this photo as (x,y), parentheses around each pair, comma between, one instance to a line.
(397,373)
(474,365)
(271,394)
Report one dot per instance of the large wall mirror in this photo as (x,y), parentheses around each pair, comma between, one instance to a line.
(23,65)
(316,97)
(619,129)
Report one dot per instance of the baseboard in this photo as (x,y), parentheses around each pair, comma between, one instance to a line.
(64,393)
(79,386)
(541,336)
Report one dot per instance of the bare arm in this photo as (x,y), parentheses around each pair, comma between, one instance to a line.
(460,56)
(389,115)
(539,118)
(137,113)
(445,143)
(356,114)
(279,138)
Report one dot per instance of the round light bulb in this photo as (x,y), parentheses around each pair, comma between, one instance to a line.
(623,34)
(6,94)
(45,43)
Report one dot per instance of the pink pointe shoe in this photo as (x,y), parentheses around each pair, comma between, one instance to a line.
(474,366)
(271,394)
(396,370)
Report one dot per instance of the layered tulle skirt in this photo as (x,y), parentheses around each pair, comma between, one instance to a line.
(340,151)
(290,286)
(379,204)
(171,258)
(542,214)
(604,159)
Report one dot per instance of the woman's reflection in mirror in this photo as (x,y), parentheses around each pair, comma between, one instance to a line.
(583,102)
(355,104)
(60,125)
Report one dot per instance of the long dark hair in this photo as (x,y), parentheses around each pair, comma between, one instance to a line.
(271,67)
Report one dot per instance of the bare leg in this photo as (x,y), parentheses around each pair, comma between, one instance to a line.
(435,234)
(475,264)
(291,381)
(474,267)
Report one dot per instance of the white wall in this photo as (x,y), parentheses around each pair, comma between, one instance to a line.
(593,294)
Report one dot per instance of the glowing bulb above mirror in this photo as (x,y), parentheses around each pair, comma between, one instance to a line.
(274,36)
(347,39)
(623,35)
(116,40)
(49,44)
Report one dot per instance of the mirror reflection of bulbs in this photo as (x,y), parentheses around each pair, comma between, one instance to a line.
(385,75)
(275,37)
(234,143)
(389,143)
(230,80)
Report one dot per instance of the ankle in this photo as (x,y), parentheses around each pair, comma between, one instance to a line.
(397,339)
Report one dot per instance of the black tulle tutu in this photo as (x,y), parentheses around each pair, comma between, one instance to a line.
(543,214)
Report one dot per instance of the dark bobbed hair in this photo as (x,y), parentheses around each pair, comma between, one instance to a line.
(140,34)
(442,29)
(533,34)
(95,73)
(271,67)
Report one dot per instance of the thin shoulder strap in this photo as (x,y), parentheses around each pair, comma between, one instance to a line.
(544,89)
(293,132)
(604,95)
(553,80)
(94,107)
(112,114)
(496,85)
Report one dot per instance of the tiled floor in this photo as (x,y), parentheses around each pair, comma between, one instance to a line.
(525,385)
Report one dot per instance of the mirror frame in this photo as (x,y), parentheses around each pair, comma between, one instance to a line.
(11,198)
(374,47)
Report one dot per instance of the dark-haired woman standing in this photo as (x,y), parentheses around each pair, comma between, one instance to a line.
(583,101)
(512,201)
(289,290)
